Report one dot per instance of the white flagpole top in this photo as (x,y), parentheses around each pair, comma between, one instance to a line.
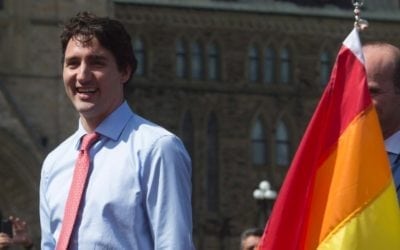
(359,23)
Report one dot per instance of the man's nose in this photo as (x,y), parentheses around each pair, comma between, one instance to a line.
(84,73)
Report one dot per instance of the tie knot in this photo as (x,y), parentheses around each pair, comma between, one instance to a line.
(88,140)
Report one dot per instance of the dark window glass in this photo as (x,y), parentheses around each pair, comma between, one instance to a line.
(325,64)
(197,61)
(254,64)
(139,51)
(213,62)
(181,59)
(269,66)
(285,64)
(212,175)
(282,144)
(258,143)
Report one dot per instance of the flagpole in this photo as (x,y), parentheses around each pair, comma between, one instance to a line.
(359,23)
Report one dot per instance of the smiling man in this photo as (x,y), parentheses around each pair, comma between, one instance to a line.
(120,181)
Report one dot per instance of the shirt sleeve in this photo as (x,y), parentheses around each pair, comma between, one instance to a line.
(167,180)
(47,240)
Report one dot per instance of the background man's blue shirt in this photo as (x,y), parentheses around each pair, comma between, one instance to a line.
(392,145)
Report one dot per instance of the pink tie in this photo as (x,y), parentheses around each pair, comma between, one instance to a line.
(76,190)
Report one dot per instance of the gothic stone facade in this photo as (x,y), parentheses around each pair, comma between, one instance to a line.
(36,115)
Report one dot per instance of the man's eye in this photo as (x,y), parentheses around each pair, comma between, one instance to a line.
(374,91)
(71,64)
(98,63)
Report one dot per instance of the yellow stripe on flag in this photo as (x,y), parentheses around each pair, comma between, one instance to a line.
(374,228)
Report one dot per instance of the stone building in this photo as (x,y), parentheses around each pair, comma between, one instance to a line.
(236,80)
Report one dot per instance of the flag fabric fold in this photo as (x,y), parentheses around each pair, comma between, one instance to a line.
(338,192)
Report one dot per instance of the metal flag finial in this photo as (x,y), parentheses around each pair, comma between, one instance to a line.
(359,24)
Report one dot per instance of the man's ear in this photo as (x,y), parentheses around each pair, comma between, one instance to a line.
(126,73)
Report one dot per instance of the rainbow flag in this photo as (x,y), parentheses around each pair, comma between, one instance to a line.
(338,193)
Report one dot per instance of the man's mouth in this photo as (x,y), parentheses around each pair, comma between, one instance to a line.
(86,90)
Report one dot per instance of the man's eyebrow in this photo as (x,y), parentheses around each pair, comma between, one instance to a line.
(378,76)
(70,59)
(97,57)
(90,57)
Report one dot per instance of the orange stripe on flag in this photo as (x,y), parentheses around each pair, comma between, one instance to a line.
(348,181)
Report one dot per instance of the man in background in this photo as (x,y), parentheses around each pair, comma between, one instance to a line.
(250,238)
(382,62)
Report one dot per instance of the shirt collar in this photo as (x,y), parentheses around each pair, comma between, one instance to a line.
(112,125)
(392,144)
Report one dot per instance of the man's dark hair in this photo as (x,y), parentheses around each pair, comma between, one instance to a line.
(110,33)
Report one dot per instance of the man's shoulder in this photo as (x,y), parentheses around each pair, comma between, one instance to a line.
(147,133)
(62,148)
(145,127)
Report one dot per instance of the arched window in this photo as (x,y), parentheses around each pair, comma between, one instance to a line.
(254,64)
(212,174)
(258,143)
(197,61)
(269,65)
(285,66)
(325,67)
(282,144)
(181,59)
(213,62)
(140,54)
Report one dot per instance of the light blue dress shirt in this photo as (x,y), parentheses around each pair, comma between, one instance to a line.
(392,145)
(138,194)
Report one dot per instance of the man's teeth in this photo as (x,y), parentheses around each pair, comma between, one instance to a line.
(91,90)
